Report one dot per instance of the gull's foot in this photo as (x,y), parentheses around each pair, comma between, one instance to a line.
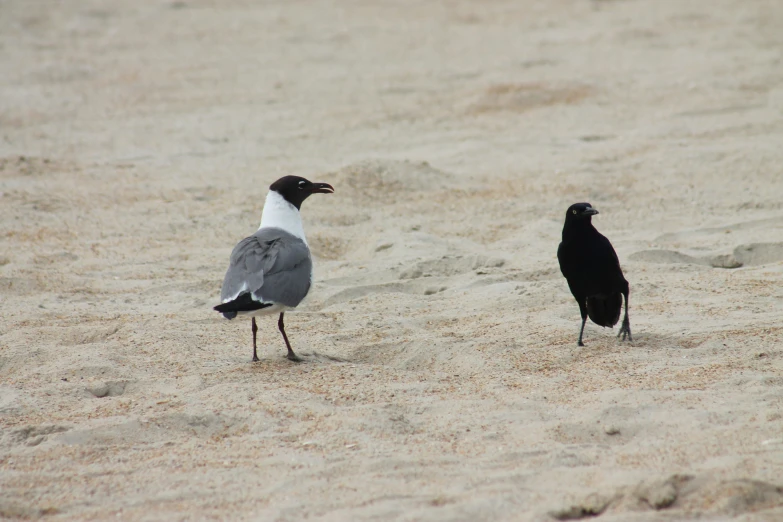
(255,358)
(293,357)
(580,343)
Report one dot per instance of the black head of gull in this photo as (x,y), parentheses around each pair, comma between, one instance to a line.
(295,189)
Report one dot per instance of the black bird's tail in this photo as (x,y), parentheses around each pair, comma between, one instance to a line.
(604,310)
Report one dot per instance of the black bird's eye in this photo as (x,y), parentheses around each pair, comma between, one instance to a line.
(301,185)
(574,211)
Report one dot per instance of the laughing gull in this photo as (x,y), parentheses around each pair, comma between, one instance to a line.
(271,271)
(590,265)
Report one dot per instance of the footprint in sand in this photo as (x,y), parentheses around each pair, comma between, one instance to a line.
(744,255)
(108,389)
(704,495)
(426,277)
(34,435)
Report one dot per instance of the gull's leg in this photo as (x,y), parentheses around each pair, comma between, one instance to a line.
(291,355)
(255,330)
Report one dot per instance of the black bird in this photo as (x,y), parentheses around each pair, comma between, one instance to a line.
(272,270)
(590,265)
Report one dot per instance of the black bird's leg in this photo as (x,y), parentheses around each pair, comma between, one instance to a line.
(583,311)
(255,329)
(625,330)
(291,355)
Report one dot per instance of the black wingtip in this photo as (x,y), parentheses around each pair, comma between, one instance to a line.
(222,308)
(243,303)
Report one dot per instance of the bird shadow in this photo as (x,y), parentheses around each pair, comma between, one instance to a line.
(279,362)
(315,357)
(663,340)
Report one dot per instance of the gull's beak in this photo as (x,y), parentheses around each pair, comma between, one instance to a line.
(590,212)
(322,188)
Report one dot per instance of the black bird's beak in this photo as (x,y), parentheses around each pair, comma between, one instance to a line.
(590,212)
(322,188)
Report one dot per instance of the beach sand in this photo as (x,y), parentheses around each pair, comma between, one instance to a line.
(137,143)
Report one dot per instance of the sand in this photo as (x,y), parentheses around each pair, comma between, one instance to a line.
(137,142)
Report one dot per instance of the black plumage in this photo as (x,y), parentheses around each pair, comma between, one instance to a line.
(243,303)
(590,265)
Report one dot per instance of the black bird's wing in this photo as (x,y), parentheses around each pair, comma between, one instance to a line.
(591,266)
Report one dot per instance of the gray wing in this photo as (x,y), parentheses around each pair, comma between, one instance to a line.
(272,265)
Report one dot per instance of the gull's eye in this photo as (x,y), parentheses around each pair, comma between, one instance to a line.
(574,211)
(302,184)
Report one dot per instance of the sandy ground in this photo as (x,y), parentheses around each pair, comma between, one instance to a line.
(137,142)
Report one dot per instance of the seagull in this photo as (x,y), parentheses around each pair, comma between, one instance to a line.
(272,270)
(590,265)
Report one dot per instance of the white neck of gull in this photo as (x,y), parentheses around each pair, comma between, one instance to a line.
(279,213)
